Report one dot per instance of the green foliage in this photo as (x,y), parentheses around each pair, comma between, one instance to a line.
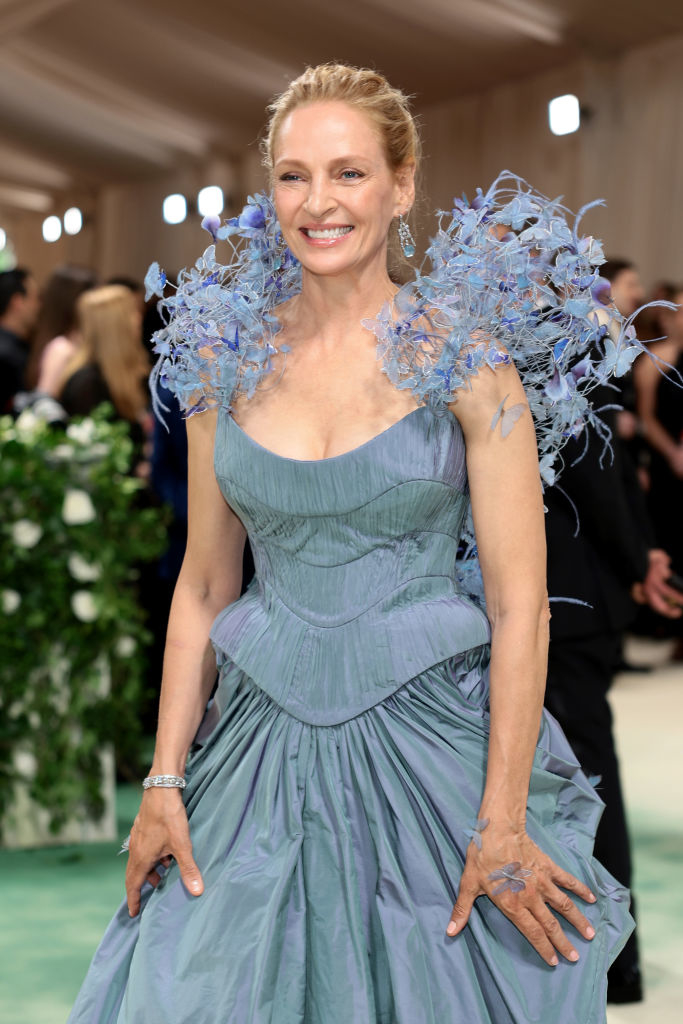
(73,529)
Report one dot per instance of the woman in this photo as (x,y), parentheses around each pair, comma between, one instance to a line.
(351,785)
(660,410)
(56,337)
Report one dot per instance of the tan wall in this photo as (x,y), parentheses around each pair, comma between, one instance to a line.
(629,152)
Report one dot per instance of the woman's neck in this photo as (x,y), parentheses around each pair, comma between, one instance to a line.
(328,306)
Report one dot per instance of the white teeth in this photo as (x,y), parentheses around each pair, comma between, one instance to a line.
(328,232)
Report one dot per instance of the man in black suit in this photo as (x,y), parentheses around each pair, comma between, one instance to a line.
(19,306)
(607,562)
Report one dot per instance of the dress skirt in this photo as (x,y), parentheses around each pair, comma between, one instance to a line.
(331,857)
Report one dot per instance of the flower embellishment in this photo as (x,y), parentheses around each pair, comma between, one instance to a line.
(512,876)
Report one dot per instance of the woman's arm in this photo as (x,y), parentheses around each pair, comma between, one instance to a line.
(210,578)
(507,510)
(55,360)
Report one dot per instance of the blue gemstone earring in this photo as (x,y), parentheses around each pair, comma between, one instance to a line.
(405,237)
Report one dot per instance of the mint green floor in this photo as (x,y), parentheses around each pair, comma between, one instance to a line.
(55,903)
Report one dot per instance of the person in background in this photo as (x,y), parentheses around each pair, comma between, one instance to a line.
(110,363)
(55,340)
(19,309)
(660,410)
(655,323)
(602,567)
(627,293)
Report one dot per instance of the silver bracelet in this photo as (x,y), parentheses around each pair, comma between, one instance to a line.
(165,781)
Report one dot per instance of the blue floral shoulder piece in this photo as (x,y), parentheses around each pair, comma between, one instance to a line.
(219,324)
(508,277)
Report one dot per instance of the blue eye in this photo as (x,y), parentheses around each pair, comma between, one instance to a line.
(289,176)
(355,174)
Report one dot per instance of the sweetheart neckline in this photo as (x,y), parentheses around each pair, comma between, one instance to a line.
(329,458)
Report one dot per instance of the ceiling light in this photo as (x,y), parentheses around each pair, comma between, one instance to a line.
(210,201)
(175,208)
(564,114)
(3,238)
(52,229)
(73,220)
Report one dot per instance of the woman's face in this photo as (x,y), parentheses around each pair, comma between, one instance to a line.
(335,194)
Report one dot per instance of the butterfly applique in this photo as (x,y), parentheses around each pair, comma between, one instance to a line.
(509,417)
(513,876)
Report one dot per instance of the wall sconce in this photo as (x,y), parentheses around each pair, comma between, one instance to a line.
(564,114)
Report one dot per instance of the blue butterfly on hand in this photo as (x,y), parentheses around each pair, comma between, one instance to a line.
(513,876)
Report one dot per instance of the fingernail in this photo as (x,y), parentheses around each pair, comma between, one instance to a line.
(195,886)
(573,956)
(554,962)
(452,928)
(590,932)
(591,897)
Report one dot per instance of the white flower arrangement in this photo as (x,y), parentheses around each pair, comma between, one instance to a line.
(71,543)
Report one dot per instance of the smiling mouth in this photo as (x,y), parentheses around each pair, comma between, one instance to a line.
(324,233)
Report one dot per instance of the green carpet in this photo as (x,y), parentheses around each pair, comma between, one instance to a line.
(56,903)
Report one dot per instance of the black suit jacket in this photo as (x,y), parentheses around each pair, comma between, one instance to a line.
(610,552)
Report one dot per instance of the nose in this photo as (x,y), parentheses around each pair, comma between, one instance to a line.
(319,199)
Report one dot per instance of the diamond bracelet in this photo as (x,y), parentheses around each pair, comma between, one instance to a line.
(165,781)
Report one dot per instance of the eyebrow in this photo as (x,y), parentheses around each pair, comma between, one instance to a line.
(352,159)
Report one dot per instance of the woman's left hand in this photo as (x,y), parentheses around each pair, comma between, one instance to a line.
(524,883)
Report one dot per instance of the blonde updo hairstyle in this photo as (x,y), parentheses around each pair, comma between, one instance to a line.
(367,91)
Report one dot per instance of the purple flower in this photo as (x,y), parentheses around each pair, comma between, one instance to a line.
(558,389)
(252,217)
(211,223)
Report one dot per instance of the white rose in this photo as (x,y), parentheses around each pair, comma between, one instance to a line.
(125,646)
(83,606)
(26,533)
(63,452)
(82,433)
(26,424)
(84,572)
(77,508)
(10,601)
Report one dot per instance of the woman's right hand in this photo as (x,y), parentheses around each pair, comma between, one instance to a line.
(160,833)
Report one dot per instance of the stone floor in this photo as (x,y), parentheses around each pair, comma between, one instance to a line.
(55,903)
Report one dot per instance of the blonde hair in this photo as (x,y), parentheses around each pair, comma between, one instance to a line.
(108,338)
(367,91)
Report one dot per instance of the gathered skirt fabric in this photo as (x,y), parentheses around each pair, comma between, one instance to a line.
(331,857)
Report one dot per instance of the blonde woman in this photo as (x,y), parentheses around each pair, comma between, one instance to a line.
(375,758)
(110,363)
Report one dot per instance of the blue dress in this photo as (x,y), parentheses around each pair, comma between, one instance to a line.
(342,760)
(338,768)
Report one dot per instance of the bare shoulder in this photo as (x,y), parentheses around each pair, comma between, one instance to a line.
(476,404)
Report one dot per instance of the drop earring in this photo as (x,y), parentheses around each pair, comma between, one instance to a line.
(405,237)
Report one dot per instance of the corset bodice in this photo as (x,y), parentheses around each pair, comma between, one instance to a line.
(354,591)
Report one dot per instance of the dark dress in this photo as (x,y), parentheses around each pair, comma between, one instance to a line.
(666,489)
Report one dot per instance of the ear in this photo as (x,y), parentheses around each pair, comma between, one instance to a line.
(405,187)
